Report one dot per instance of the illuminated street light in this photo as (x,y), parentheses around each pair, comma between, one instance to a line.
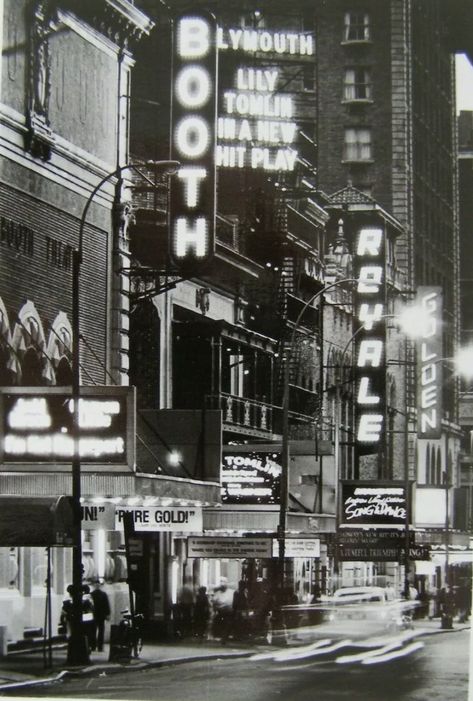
(77,652)
(412,320)
(463,361)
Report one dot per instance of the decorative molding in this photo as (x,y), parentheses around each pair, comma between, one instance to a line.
(119,20)
(39,137)
(69,166)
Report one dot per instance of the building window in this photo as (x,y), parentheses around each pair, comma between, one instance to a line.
(357,26)
(357,84)
(308,77)
(357,146)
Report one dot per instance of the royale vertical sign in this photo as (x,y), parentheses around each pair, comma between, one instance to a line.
(429,355)
(194,113)
(370,341)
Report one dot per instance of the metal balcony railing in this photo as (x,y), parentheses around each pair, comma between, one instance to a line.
(243,413)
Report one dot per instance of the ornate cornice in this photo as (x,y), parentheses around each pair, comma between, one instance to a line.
(118,20)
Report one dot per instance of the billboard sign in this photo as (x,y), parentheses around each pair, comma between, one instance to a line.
(256,127)
(37,425)
(251,478)
(429,355)
(194,113)
(380,545)
(208,546)
(298,547)
(161,518)
(373,504)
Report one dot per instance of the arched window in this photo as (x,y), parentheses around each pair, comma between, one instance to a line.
(29,344)
(59,349)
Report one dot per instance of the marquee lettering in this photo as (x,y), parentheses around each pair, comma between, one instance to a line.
(370,342)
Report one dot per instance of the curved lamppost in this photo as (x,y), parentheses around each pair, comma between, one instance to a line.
(285,458)
(77,652)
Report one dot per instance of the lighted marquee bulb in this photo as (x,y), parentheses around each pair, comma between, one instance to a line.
(193,87)
(190,237)
(193,37)
(191,177)
(192,137)
(370,279)
(369,242)
(30,413)
(369,428)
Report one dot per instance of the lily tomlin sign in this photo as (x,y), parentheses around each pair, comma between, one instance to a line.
(256,124)
(194,112)
(370,342)
(251,477)
(373,504)
(37,425)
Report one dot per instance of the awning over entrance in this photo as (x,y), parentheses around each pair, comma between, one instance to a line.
(35,521)
(260,520)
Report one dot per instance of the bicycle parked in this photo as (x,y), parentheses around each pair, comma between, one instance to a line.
(126,639)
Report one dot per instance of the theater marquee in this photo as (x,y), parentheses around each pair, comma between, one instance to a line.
(37,425)
(251,478)
(372,504)
(429,355)
(194,111)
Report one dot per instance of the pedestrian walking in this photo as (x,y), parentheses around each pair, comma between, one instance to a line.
(223,610)
(88,622)
(240,611)
(185,608)
(261,603)
(201,613)
(101,605)
(67,612)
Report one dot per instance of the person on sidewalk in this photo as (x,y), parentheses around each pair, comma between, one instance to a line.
(185,608)
(88,622)
(101,614)
(201,613)
(223,610)
(240,611)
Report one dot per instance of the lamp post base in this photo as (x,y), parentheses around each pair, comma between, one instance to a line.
(78,650)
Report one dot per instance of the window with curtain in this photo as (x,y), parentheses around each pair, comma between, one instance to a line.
(357,146)
(357,26)
(357,84)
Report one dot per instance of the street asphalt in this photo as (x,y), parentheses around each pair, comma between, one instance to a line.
(30,669)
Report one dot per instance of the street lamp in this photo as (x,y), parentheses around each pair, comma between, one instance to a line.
(77,652)
(285,457)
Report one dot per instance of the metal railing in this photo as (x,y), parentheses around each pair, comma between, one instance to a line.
(243,412)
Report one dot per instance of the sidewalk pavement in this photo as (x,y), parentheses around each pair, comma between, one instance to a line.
(27,669)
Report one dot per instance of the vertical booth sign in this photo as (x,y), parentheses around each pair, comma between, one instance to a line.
(193,140)
(370,341)
(429,355)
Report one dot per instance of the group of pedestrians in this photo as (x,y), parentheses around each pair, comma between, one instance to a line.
(95,611)
(238,613)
